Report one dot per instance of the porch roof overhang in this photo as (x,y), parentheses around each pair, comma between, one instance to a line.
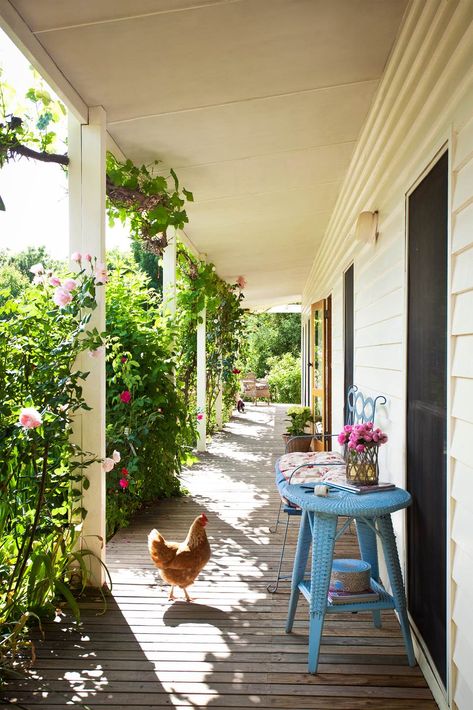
(257,105)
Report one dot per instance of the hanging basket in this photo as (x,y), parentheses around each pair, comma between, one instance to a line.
(362,466)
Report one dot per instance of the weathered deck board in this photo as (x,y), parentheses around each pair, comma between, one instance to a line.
(228,649)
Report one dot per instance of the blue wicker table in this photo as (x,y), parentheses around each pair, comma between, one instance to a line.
(318,529)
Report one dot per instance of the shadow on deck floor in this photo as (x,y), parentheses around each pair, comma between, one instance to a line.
(228,649)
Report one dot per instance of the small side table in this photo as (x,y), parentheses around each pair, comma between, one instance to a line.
(372,513)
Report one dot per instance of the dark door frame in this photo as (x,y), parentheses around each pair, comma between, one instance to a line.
(427,665)
(348,320)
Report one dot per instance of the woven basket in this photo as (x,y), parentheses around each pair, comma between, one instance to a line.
(362,467)
(352,575)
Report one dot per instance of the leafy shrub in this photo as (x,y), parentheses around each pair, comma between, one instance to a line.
(147,420)
(269,335)
(12,282)
(284,378)
(41,472)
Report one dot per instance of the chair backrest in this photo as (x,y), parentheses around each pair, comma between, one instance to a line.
(361,409)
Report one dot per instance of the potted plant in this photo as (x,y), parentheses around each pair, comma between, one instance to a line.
(299,418)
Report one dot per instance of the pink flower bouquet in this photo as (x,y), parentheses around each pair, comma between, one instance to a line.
(359,437)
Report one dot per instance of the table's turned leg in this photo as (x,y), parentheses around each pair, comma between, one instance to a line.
(369,553)
(385,527)
(300,563)
(323,542)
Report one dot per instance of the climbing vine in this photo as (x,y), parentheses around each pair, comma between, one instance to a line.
(145,199)
(199,286)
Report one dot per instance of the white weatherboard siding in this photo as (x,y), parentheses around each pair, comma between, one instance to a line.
(462,410)
(424,106)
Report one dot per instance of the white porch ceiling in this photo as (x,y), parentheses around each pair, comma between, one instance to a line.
(257,104)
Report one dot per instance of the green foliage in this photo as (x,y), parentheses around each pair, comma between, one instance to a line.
(30,124)
(270,335)
(24,260)
(199,287)
(151,431)
(298,418)
(284,378)
(41,472)
(12,282)
(144,199)
(150,264)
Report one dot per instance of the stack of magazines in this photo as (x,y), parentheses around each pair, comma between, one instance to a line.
(361,489)
(340,596)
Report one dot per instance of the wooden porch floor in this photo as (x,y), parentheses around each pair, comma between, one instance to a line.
(228,649)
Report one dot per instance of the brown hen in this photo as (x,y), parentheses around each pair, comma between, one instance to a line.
(179,563)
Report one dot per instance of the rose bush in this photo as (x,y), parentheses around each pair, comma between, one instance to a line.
(147,420)
(41,472)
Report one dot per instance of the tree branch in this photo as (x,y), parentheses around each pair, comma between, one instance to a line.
(38,155)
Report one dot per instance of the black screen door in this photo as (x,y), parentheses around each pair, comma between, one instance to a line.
(426,409)
(349,333)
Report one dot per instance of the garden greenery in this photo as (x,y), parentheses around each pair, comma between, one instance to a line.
(147,420)
(42,473)
(284,378)
(150,365)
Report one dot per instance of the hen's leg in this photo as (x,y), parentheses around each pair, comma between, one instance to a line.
(171,594)
(188,598)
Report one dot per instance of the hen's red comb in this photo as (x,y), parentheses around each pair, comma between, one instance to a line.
(204,518)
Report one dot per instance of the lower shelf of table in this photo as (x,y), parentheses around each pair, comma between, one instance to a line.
(385,600)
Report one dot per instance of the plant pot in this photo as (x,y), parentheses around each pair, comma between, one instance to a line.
(298,444)
(362,466)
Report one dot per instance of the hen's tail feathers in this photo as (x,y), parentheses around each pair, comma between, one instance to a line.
(162,552)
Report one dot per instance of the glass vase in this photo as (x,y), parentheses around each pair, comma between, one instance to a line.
(362,466)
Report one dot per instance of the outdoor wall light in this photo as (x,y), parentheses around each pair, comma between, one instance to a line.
(366,229)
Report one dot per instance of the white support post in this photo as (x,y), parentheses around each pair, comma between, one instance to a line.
(219,405)
(87,235)
(169,275)
(201,384)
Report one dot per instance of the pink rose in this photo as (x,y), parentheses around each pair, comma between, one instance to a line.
(88,257)
(108,465)
(54,281)
(30,418)
(360,448)
(76,256)
(70,284)
(125,396)
(101,275)
(200,417)
(61,297)
(124,483)
(116,456)
(37,269)
(98,352)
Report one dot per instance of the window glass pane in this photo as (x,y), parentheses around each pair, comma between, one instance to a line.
(318,348)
